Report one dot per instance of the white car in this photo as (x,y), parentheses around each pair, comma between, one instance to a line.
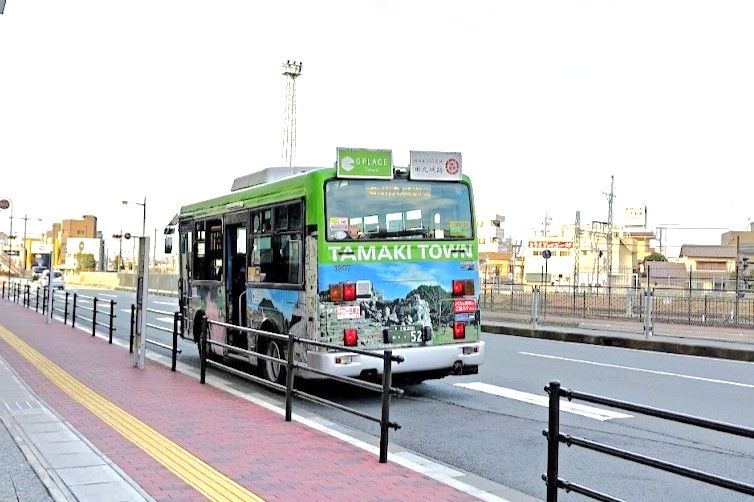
(57,279)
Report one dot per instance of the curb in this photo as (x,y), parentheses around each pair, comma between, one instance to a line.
(621,342)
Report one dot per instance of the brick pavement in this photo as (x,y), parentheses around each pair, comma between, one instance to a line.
(249,444)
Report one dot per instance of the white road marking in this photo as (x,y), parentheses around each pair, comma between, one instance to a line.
(172,304)
(127,311)
(168,320)
(109,296)
(642,370)
(543,400)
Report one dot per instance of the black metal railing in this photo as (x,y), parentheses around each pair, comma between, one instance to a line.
(174,350)
(554,438)
(291,366)
(66,305)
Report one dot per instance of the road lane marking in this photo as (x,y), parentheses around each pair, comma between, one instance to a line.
(127,311)
(642,370)
(109,296)
(543,400)
(204,478)
(168,320)
(172,304)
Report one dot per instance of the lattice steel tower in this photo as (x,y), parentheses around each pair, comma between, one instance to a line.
(291,71)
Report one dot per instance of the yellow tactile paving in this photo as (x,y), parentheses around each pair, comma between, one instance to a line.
(203,477)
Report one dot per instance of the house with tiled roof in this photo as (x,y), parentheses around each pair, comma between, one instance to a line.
(712,265)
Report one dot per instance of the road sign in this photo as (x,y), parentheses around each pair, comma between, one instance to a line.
(4,204)
(546,254)
(362,163)
(127,236)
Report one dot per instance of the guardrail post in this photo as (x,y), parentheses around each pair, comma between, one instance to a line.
(289,380)
(65,314)
(131,334)
(52,302)
(28,296)
(535,295)
(112,318)
(73,315)
(553,443)
(36,300)
(94,316)
(3,289)
(175,340)
(387,383)
(203,351)
(44,301)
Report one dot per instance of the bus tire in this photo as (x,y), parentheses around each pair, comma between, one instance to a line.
(196,327)
(274,372)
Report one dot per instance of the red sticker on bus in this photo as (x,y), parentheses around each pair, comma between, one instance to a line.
(464,306)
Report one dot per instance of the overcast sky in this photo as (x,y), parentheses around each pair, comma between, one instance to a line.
(102,101)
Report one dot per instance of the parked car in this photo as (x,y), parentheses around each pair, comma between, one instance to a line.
(36,272)
(58,282)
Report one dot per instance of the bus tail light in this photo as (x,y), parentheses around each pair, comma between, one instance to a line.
(336,292)
(349,292)
(459,331)
(350,337)
(458,288)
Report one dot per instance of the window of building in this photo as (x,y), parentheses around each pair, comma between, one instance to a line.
(536,253)
(584,252)
(482,240)
(565,253)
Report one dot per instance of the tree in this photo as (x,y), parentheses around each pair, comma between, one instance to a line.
(655,257)
(85,262)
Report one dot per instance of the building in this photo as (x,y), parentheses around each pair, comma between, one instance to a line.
(579,256)
(86,228)
(495,252)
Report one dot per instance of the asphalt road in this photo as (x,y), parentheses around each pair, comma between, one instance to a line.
(491,427)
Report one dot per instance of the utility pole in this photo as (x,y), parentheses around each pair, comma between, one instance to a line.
(577,249)
(546,223)
(610,198)
(291,71)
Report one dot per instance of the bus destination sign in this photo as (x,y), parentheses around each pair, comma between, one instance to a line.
(436,166)
(362,163)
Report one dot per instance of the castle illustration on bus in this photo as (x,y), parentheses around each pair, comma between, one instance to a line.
(364,254)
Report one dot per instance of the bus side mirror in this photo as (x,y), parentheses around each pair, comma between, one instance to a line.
(168,244)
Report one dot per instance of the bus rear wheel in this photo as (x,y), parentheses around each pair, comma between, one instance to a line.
(273,371)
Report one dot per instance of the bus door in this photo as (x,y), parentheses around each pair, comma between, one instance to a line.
(236,240)
(185,243)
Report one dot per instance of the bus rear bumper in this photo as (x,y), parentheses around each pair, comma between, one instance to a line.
(457,358)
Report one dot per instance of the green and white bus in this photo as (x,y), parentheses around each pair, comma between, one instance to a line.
(363,255)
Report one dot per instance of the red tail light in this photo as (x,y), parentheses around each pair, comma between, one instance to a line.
(458,288)
(349,292)
(459,330)
(350,337)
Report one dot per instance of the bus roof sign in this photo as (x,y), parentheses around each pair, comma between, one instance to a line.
(363,163)
(444,166)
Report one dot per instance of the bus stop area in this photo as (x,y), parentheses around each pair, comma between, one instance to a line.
(94,427)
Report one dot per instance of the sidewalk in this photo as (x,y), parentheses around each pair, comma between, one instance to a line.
(616,334)
(179,440)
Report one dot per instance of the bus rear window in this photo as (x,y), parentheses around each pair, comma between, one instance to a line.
(397,209)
